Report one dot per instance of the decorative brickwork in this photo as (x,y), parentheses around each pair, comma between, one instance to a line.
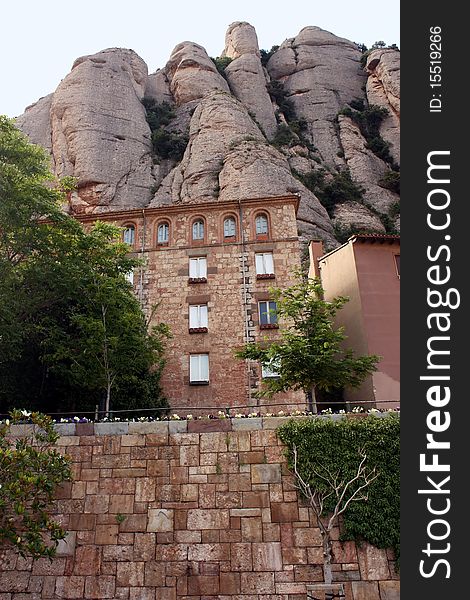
(169,511)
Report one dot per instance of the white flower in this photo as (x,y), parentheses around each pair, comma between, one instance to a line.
(175,417)
(189,417)
(280,413)
(25,413)
(238,416)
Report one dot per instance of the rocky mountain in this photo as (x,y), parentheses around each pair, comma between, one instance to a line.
(314,116)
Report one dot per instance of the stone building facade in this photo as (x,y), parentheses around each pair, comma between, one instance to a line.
(209,268)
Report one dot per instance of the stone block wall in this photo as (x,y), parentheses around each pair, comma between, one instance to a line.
(187,510)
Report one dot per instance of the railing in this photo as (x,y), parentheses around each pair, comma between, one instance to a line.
(228,411)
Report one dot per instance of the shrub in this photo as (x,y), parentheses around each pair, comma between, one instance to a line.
(166,144)
(332,446)
(369,120)
(221,63)
(266,55)
(278,94)
(31,470)
(391,181)
(284,136)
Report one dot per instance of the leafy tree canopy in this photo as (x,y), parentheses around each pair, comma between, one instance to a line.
(71,327)
(309,353)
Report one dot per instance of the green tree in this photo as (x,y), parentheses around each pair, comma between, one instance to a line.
(31,470)
(309,353)
(104,340)
(71,327)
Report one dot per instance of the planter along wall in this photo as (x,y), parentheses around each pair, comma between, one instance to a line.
(188,510)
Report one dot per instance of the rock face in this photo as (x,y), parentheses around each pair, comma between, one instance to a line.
(192,74)
(246,75)
(36,123)
(383,89)
(100,133)
(366,168)
(253,130)
(321,73)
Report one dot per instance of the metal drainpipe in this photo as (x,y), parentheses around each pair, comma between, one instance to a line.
(245,294)
(141,268)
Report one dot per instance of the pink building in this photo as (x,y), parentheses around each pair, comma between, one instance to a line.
(366,269)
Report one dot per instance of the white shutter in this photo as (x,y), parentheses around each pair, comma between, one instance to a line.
(193,316)
(268,263)
(203,315)
(194,367)
(193,267)
(204,367)
(199,367)
(202,267)
(259,264)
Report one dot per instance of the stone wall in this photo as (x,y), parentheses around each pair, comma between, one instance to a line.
(187,510)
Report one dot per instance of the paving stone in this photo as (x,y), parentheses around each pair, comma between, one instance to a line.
(209,552)
(69,587)
(203,585)
(241,557)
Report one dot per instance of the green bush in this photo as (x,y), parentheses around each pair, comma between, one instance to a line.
(284,136)
(278,94)
(266,55)
(334,446)
(166,144)
(368,120)
(31,471)
(391,181)
(221,63)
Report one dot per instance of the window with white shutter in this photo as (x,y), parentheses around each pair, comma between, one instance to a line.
(198,318)
(198,268)
(199,368)
(264,265)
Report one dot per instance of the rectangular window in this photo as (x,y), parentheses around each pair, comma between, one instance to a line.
(199,368)
(268,313)
(198,316)
(130,277)
(264,263)
(198,267)
(269,370)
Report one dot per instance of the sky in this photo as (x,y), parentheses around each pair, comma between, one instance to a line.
(41,39)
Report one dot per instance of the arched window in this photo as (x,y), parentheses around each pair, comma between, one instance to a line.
(229,227)
(198,230)
(129,235)
(261,225)
(163,233)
